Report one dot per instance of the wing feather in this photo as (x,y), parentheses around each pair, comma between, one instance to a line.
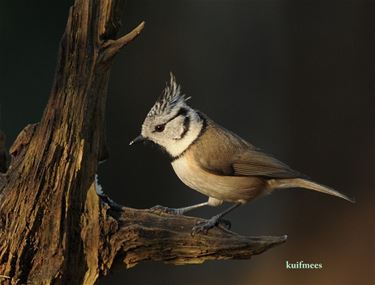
(257,163)
(233,156)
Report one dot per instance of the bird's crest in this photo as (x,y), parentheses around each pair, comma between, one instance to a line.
(170,98)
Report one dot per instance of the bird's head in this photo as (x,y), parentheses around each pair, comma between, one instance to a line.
(171,123)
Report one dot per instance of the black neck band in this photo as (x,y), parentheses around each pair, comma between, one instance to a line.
(201,132)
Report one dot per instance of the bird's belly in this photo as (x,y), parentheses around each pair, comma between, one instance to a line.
(226,188)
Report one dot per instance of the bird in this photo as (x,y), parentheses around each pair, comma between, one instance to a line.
(213,160)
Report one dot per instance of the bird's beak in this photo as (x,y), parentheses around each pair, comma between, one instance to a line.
(138,139)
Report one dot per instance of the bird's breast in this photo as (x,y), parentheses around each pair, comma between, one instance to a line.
(227,188)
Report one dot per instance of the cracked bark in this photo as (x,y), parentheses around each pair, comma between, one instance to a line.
(53,227)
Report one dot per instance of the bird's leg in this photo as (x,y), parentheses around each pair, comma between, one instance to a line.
(203,227)
(177,211)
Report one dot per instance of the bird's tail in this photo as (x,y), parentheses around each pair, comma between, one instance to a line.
(303,183)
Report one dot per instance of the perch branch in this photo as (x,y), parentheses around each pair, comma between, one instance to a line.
(147,236)
(135,235)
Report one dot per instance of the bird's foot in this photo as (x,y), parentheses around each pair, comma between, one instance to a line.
(161,209)
(204,226)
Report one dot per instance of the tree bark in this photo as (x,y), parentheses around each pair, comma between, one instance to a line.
(53,227)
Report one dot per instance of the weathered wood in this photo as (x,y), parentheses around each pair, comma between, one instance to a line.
(132,236)
(53,227)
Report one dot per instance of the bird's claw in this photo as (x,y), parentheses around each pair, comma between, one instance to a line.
(161,209)
(204,226)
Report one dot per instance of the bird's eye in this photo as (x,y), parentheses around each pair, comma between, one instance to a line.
(159,128)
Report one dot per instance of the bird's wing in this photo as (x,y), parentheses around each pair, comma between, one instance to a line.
(233,156)
(257,163)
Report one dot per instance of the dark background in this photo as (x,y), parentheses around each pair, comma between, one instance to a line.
(295,78)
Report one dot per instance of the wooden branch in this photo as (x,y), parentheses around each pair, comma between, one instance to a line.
(53,227)
(142,235)
(112,47)
(146,236)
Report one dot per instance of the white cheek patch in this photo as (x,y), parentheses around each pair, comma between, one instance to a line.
(180,145)
(180,131)
(175,128)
